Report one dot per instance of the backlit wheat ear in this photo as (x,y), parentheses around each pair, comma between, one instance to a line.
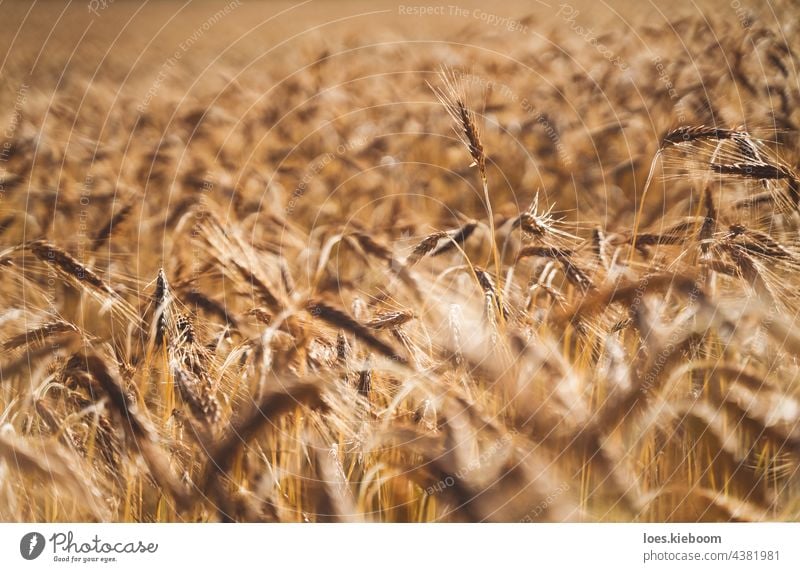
(572,271)
(390,320)
(339,319)
(188,360)
(691,133)
(162,299)
(490,290)
(197,391)
(189,367)
(755,171)
(80,276)
(686,135)
(69,267)
(453,96)
(441,242)
(424,246)
(456,238)
(39,335)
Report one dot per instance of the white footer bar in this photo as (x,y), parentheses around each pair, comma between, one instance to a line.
(400,547)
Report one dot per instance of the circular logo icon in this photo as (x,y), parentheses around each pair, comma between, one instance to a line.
(31,545)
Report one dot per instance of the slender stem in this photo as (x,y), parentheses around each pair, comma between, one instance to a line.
(495,252)
(638,218)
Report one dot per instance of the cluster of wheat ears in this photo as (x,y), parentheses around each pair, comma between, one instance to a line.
(321,305)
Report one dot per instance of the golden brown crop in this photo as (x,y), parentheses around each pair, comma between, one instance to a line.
(283,288)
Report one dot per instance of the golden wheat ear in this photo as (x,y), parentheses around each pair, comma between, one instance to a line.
(452,95)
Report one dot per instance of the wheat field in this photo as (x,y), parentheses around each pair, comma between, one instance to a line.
(350,261)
